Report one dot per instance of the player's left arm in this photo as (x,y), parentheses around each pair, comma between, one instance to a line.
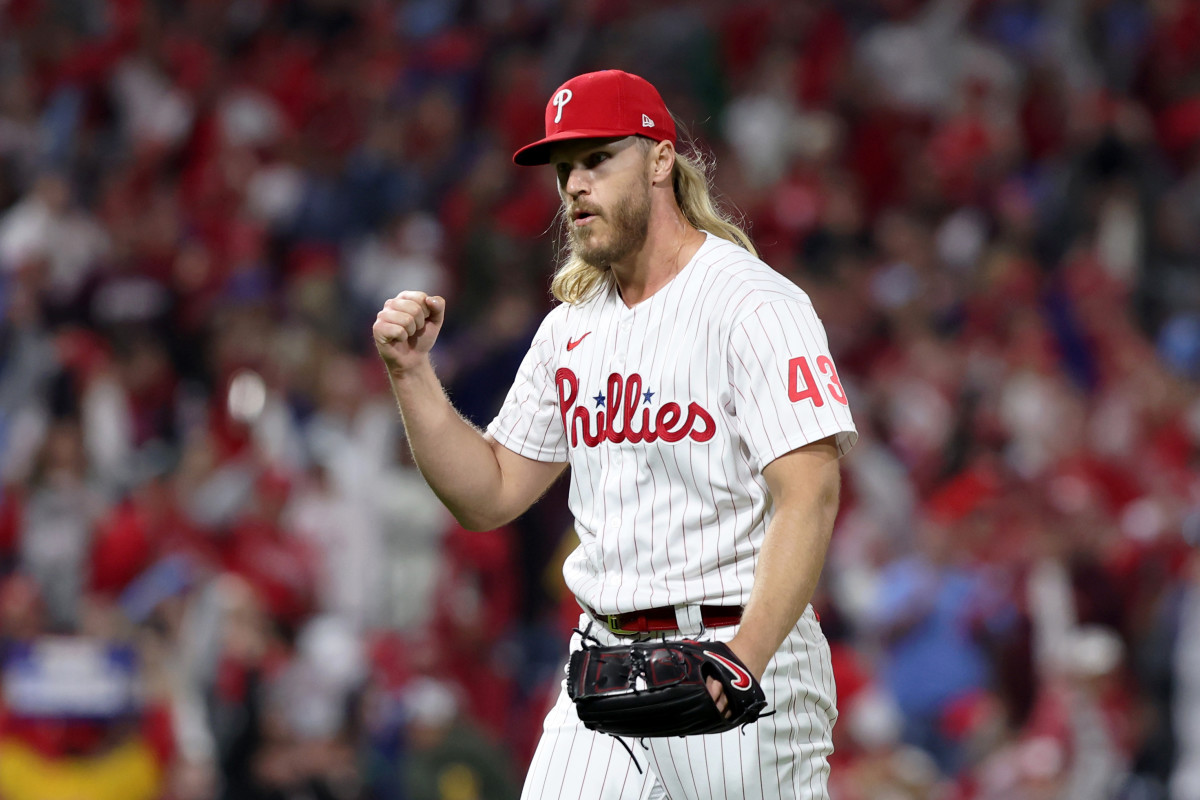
(804,486)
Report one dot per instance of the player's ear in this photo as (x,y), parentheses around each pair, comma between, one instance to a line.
(662,162)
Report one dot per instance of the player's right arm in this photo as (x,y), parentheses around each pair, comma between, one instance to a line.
(483,483)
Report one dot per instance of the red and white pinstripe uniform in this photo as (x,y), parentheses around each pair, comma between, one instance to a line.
(667,413)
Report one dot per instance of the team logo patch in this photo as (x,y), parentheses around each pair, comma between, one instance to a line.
(623,413)
(741,678)
(559,100)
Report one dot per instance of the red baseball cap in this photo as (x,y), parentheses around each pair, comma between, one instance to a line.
(600,105)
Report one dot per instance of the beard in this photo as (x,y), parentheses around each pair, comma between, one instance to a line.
(628,225)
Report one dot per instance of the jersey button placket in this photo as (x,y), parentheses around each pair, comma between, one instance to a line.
(618,359)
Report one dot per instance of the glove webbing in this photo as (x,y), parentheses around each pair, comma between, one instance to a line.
(640,665)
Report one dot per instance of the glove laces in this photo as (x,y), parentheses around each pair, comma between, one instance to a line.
(629,750)
(637,669)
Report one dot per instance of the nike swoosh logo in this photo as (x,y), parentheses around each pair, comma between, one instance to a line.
(741,678)
(572,345)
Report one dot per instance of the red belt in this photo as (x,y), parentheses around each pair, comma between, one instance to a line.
(663,619)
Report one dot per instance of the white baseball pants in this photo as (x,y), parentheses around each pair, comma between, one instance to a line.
(780,757)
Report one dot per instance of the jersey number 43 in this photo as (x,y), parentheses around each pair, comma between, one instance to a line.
(803,386)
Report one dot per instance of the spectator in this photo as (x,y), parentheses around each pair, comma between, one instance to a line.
(446,757)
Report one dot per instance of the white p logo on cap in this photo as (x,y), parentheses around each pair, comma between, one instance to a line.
(561,99)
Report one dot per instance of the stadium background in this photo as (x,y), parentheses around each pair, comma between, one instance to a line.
(220,575)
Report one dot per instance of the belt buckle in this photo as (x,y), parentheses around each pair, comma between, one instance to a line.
(612,621)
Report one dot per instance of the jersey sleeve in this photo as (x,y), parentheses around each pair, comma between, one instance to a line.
(529,422)
(785,386)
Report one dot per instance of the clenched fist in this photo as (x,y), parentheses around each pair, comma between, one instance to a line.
(406,328)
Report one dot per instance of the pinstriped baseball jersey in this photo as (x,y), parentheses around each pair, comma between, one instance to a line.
(667,413)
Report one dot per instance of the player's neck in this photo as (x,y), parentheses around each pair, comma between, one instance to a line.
(670,244)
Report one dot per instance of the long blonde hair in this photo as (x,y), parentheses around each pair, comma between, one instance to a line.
(576,280)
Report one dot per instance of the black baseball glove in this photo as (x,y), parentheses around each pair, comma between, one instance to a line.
(658,688)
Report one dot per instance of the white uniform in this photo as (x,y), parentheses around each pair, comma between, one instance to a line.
(667,413)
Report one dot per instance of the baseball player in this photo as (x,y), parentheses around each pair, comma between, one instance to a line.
(690,389)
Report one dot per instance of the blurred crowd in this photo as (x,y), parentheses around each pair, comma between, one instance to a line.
(221,575)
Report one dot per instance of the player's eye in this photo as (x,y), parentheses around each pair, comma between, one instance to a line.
(597,158)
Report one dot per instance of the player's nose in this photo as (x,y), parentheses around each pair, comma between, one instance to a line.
(576,183)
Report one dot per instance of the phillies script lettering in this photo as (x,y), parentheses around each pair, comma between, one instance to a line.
(617,420)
